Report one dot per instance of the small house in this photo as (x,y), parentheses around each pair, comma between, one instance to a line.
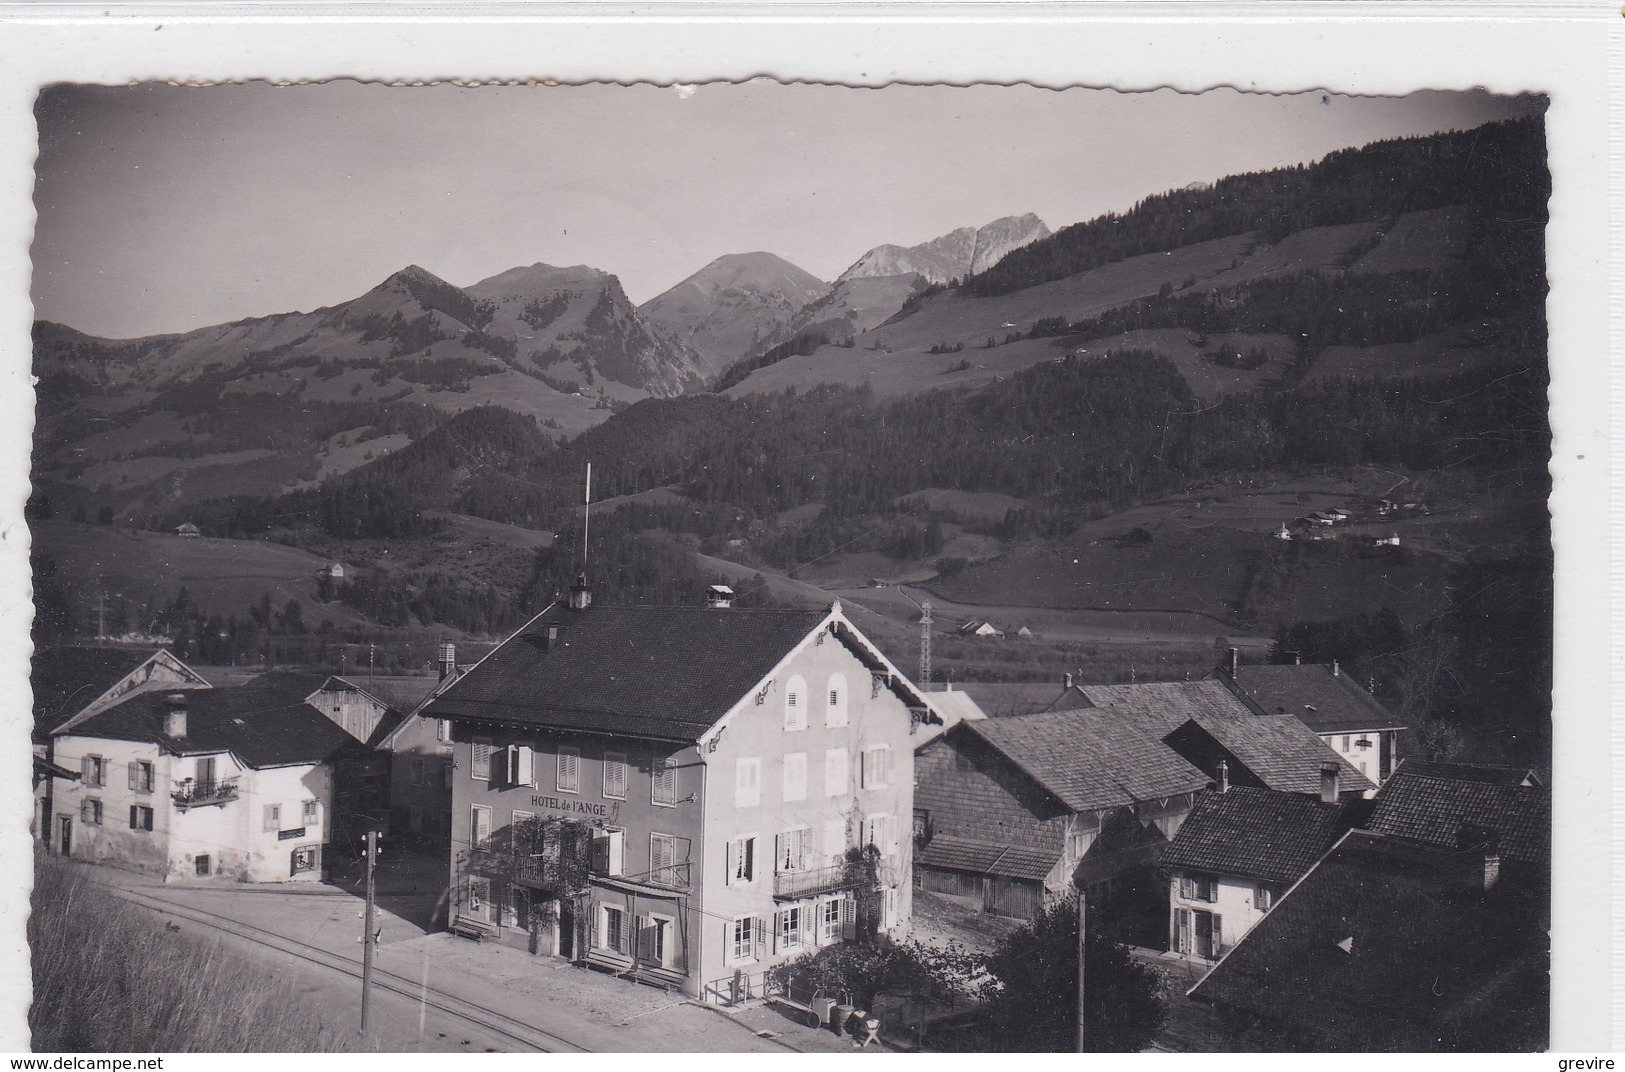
(188,531)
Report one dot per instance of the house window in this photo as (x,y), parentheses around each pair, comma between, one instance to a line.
(836,767)
(92,772)
(140,776)
(614,776)
(205,772)
(829,920)
(569,776)
(201,865)
(654,940)
(1345,742)
(90,812)
(743,934)
(482,759)
(273,817)
(835,711)
(521,764)
(795,776)
(612,928)
(668,861)
(417,771)
(795,705)
(310,813)
(879,833)
(1265,899)
(479,825)
(793,849)
(446,769)
(922,826)
(663,784)
(442,730)
(1198,888)
(747,782)
(308,858)
(1201,934)
(790,928)
(741,860)
(876,767)
(140,817)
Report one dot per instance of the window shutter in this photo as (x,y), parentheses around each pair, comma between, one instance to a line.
(1218,935)
(134,819)
(86,768)
(1187,887)
(890,760)
(730,863)
(849,918)
(527,765)
(135,775)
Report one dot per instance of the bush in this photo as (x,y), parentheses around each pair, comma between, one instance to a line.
(109,977)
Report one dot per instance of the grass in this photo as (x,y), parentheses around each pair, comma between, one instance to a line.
(109,977)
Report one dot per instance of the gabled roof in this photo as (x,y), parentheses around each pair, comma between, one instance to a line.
(1386,945)
(1324,701)
(1280,751)
(1019,698)
(389,741)
(986,858)
(660,672)
(1435,809)
(1258,834)
(1473,772)
(951,707)
(1170,701)
(1091,759)
(67,680)
(265,722)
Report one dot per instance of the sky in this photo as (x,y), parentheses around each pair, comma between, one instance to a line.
(167,208)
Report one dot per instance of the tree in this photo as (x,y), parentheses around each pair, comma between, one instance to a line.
(1034,1003)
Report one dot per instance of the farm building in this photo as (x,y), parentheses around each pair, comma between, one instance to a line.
(617,768)
(979,628)
(188,531)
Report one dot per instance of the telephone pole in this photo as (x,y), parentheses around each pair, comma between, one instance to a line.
(1082,919)
(369,936)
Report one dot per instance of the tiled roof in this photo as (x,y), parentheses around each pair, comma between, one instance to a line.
(401,692)
(265,722)
(1385,945)
(663,672)
(1021,698)
(1323,701)
(1255,833)
(985,858)
(1472,772)
(951,708)
(1092,758)
(1170,701)
(1434,810)
(1280,751)
(67,679)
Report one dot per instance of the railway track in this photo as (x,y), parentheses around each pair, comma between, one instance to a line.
(522,1034)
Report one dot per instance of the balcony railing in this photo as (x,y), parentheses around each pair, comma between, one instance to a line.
(807,883)
(195,794)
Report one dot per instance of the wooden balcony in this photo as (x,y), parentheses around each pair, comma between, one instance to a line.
(190,794)
(809,882)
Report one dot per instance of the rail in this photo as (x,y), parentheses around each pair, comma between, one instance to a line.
(190,793)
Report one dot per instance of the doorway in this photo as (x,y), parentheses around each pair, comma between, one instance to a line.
(64,834)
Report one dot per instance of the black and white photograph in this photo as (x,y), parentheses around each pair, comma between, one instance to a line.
(759,566)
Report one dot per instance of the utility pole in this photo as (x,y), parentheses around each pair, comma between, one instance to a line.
(369,936)
(1083,911)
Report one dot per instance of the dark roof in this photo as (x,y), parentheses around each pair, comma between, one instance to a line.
(1434,810)
(1021,698)
(662,672)
(1091,758)
(1473,772)
(65,680)
(401,692)
(1170,701)
(1386,945)
(1256,833)
(986,858)
(1323,701)
(264,722)
(1280,751)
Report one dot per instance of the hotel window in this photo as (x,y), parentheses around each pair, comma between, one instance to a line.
(668,861)
(272,817)
(654,940)
(140,776)
(795,704)
(743,936)
(795,776)
(836,769)
(835,712)
(614,776)
(793,849)
(876,767)
(829,920)
(482,759)
(569,776)
(90,812)
(521,763)
(311,812)
(140,817)
(747,782)
(663,784)
(92,772)
(479,825)
(790,928)
(741,860)
(308,858)
(612,928)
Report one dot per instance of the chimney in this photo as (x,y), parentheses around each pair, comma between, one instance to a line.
(1480,847)
(1334,667)
(580,593)
(175,716)
(550,637)
(1069,681)
(1235,663)
(719,596)
(1328,782)
(1224,777)
(448,660)
(1297,658)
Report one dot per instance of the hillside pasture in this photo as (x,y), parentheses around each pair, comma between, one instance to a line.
(1423,241)
(985,507)
(1313,249)
(1437,355)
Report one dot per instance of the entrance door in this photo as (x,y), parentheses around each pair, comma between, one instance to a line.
(567,928)
(1207,934)
(65,834)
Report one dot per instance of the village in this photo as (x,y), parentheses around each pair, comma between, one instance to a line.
(700,801)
